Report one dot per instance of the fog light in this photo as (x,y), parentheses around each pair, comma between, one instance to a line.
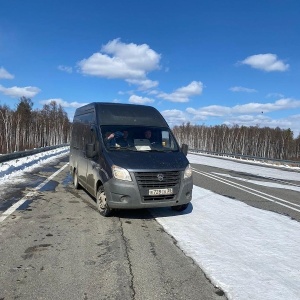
(124,199)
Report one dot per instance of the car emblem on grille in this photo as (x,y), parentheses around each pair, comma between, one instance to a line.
(160,177)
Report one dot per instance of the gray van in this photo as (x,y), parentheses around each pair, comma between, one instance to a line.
(126,157)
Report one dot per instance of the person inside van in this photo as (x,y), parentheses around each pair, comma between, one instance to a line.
(125,141)
(109,139)
(148,136)
(118,139)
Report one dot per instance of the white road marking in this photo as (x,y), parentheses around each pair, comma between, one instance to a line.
(250,190)
(13,208)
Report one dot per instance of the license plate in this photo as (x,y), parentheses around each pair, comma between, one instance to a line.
(160,192)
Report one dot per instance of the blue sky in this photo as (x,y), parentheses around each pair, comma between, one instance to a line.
(205,62)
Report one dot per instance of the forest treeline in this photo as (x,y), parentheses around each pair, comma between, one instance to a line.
(274,143)
(25,128)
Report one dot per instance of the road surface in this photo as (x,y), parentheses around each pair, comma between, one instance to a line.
(57,246)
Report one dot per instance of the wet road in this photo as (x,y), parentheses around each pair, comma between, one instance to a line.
(57,246)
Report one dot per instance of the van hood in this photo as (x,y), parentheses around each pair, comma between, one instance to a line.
(142,161)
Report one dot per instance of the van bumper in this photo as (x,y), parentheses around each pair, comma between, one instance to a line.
(128,195)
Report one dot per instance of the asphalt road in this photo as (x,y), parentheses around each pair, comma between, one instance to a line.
(57,246)
(251,189)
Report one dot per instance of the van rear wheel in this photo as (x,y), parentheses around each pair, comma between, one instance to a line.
(102,205)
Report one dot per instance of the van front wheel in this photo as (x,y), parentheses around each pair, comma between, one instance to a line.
(102,205)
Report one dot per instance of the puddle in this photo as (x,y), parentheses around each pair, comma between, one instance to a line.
(6,204)
(25,205)
(50,186)
(67,180)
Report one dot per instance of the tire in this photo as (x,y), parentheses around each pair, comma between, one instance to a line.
(181,207)
(75,180)
(102,205)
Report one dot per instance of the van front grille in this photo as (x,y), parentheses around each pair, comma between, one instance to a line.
(159,198)
(158,179)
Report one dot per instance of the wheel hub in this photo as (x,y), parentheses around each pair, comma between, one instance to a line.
(102,201)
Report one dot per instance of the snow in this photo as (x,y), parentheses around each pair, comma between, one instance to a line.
(248,252)
(254,168)
(12,171)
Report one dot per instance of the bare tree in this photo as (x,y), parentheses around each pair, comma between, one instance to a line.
(26,128)
(255,141)
(6,116)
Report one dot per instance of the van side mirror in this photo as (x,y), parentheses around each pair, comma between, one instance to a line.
(90,150)
(184,149)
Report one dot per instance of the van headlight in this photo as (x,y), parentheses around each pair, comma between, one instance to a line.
(120,173)
(188,172)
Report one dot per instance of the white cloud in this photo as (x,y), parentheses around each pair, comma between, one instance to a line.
(178,117)
(63,103)
(275,95)
(286,103)
(292,122)
(209,111)
(175,117)
(242,89)
(295,124)
(266,62)
(120,60)
(17,92)
(153,92)
(140,100)
(249,108)
(250,114)
(65,69)
(144,84)
(184,93)
(5,75)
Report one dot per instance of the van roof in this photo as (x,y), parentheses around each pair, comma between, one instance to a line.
(123,114)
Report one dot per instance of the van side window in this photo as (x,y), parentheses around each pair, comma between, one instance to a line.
(82,128)
(77,138)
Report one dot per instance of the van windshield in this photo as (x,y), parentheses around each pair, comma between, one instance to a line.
(137,138)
